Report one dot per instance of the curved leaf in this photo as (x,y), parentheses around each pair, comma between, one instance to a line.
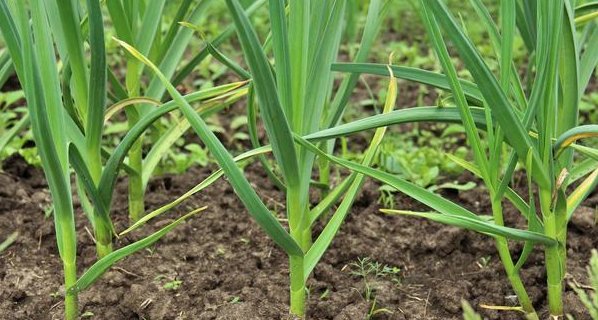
(479,226)
(434,79)
(202,185)
(121,105)
(275,121)
(102,265)
(586,12)
(510,194)
(325,238)
(418,114)
(115,161)
(242,187)
(176,131)
(420,194)
(581,193)
(504,113)
(574,134)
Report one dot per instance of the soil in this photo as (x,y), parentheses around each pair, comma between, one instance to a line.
(226,268)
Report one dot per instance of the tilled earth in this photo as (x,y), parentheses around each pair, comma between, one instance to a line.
(220,265)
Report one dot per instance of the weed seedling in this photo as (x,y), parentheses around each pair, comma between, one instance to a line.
(371,271)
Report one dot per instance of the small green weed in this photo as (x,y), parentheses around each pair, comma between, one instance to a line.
(370,271)
(419,156)
(169,283)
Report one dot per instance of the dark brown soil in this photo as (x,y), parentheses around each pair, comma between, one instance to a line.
(11,84)
(228,269)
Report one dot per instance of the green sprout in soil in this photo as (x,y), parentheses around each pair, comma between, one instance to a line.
(172,285)
(370,272)
(468,312)
(9,241)
(168,283)
(484,262)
